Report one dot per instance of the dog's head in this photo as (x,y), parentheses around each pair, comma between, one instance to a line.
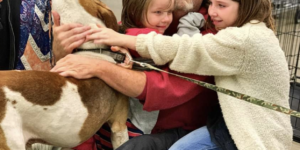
(98,9)
(87,12)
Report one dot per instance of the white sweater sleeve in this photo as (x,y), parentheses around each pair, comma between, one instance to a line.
(220,54)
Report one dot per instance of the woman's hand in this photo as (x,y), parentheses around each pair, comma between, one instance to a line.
(77,66)
(67,37)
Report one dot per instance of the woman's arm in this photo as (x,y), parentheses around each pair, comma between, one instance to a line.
(126,81)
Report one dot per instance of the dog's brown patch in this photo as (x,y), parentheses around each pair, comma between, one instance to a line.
(99,10)
(45,108)
(48,93)
(3,145)
(99,99)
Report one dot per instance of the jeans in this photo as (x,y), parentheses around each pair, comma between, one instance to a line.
(196,140)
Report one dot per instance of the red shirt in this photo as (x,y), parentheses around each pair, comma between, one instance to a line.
(135,32)
(181,103)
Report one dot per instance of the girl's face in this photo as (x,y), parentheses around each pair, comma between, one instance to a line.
(159,15)
(223,13)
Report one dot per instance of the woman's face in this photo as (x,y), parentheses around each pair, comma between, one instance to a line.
(223,13)
(159,15)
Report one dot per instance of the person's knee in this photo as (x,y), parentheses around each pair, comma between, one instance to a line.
(144,142)
(159,141)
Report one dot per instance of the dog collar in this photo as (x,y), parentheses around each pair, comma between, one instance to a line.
(117,56)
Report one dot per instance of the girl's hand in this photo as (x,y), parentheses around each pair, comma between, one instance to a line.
(106,36)
(127,63)
(110,37)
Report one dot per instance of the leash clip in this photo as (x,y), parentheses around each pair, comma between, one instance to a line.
(136,62)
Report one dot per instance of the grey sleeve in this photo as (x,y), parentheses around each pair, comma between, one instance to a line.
(190,24)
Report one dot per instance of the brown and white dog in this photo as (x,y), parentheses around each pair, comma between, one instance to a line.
(37,106)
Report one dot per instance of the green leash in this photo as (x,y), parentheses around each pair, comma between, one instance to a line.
(237,95)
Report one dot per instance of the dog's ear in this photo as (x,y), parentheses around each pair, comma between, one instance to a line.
(98,9)
(105,14)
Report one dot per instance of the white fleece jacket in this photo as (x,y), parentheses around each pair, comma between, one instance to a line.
(248,60)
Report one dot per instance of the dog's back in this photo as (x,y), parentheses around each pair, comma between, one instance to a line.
(60,111)
(45,107)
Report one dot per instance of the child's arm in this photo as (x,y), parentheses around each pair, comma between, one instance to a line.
(110,37)
(190,24)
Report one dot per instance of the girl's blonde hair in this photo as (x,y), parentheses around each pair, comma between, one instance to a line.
(260,10)
(134,13)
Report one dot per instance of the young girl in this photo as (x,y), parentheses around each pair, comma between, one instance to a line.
(145,16)
(244,56)
(139,16)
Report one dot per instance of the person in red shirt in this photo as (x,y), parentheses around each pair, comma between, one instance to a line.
(183,106)
(145,16)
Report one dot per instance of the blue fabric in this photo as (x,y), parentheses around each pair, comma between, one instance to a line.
(30,24)
(197,140)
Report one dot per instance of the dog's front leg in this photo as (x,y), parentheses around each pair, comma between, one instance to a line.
(119,134)
(118,122)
